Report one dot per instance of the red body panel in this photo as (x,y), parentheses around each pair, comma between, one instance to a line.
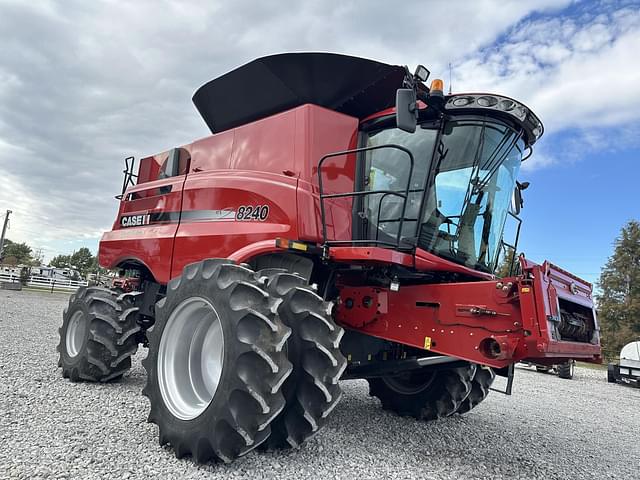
(226,191)
(489,322)
(151,245)
(422,261)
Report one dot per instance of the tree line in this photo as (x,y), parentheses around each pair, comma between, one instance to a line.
(81,260)
(619,298)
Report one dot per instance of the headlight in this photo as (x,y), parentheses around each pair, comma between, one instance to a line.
(487,101)
(506,105)
(468,103)
(462,101)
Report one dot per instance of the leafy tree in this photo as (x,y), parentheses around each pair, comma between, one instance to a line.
(83,261)
(619,302)
(61,261)
(17,253)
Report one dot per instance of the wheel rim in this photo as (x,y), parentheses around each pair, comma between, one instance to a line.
(190,358)
(76,331)
(409,383)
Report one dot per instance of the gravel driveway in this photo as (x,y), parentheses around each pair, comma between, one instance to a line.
(549,428)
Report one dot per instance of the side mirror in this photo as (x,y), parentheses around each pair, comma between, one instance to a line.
(406,109)
(516,201)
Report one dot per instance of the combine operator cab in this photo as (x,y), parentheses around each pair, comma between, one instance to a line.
(342,221)
(458,192)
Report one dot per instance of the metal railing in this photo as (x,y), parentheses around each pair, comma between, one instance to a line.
(403,194)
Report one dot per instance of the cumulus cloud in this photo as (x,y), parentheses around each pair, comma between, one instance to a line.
(578,71)
(84,84)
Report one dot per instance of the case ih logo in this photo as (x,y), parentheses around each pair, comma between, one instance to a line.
(135,220)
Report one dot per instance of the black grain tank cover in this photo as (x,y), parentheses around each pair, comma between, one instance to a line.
(265,86)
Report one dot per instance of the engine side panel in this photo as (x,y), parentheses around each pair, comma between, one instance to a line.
(224,211)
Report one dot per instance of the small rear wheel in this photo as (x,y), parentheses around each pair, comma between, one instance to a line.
(424,394)
(566,369)
(99,334)
(611,373)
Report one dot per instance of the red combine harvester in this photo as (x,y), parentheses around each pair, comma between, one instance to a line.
(343,221)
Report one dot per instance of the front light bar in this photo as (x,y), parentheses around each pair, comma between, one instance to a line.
(483,102)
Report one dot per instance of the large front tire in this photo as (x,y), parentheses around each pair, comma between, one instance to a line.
(99,334)
(312,391)
(424,394)
(216,362)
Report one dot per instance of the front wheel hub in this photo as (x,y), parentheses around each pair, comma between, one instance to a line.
(190,358)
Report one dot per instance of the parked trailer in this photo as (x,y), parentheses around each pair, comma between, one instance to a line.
(627,370)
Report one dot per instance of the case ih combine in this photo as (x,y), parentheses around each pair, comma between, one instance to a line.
(343,221)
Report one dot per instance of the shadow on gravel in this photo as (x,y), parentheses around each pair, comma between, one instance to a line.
(478,443)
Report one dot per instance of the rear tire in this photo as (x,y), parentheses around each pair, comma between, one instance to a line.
(482,380)
(565,370)
(99,334)
(312,391)
(611,373)
(424,394)
(216,362)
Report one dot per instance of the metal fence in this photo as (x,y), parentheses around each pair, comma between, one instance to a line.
(45,283)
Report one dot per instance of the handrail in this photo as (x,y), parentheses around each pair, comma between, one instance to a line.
(129,176)
(404,194)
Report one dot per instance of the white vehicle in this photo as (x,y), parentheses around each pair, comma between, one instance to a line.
(628,370)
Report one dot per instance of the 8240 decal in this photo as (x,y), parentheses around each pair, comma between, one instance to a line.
(252,212)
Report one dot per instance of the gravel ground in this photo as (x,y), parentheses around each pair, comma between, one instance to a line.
(549,429)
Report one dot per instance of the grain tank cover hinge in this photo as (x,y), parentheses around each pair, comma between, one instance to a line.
(268,85)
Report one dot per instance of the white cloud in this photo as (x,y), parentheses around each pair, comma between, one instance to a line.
(576,72)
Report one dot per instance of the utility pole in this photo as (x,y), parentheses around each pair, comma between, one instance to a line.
(4,231)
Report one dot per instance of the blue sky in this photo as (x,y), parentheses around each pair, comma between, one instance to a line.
(84,84)
(574,210)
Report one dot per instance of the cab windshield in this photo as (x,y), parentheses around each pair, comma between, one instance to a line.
(460,215)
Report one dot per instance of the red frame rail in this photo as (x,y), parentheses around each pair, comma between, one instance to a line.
(493,322)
